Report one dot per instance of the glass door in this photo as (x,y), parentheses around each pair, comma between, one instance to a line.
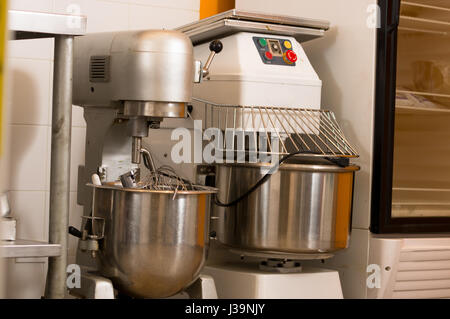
(421,170)
(411,175)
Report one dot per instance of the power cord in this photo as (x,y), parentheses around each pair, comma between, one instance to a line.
(341,162)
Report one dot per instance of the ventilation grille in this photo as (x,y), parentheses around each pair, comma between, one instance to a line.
(423,274)
(99,68)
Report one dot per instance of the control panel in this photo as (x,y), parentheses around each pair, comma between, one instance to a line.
(275,51)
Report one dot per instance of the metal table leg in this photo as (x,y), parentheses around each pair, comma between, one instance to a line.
(60,164)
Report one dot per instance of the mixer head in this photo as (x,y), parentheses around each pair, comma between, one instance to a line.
(145,76)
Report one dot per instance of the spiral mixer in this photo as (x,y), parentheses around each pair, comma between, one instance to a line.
(283,166)
(260,169)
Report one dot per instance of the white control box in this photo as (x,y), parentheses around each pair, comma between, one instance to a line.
(242,75)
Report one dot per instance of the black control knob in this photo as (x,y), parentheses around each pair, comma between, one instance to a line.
(216,46)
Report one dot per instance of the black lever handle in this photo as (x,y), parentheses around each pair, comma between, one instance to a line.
(75,232)
(216,46)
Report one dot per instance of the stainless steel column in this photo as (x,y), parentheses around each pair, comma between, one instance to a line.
(60,164)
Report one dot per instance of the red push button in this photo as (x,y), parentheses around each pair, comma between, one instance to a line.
(290,57)
(268,55)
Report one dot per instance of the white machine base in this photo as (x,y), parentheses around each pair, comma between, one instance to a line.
(246,281)
(94,286)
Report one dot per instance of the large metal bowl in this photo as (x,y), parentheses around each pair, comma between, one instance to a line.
(302,210)
(155,244)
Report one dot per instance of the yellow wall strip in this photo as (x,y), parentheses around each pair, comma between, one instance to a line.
(3,15)
(211,7)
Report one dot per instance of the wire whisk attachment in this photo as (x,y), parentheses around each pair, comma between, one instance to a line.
(165,178)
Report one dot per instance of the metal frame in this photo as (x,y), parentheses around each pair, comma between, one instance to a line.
(384,115)
(28,248)
(29,25)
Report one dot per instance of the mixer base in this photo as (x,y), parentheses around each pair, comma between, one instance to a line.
(94,286)
(282,266)
(247,281)
(280,255)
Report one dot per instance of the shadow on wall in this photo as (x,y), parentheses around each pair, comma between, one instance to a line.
(25,277)
(22,84)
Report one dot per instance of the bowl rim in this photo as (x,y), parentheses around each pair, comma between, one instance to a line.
(297,167)
(209,190)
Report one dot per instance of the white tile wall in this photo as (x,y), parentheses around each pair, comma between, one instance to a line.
(102,15)
(29,157)
(31,5)
(30,71)
(31,49)
(146,17)
(192,5)
(25,280)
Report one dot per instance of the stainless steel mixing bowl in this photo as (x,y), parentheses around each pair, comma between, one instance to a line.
(154,244)
(302,209)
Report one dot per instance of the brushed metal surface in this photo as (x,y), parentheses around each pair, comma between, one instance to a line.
(55,287)
(154,109)
(301,209)
(227,27)
(242,15)
(150,65)
(234,21)
(154,245)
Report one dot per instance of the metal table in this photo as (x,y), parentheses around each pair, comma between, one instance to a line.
(62,27)
(28,248)
(33,25)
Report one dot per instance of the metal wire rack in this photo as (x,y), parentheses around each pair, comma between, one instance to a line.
(276,130)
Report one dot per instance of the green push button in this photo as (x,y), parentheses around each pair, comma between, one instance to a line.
(262,42)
